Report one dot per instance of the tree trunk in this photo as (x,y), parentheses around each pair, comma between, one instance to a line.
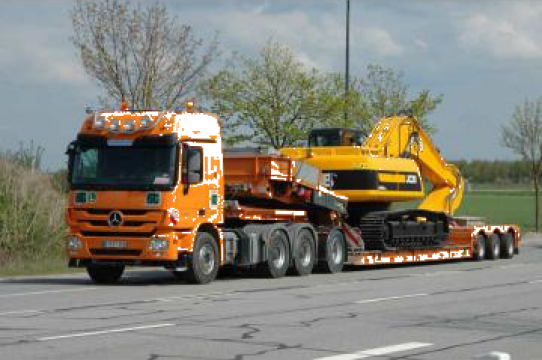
(536,202)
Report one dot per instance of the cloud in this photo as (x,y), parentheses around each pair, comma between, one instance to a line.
(505,31)
(317,37)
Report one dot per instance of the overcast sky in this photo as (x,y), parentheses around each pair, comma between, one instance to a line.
(484,57)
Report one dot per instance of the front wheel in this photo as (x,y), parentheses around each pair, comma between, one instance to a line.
(278,254)
(105,273)
(205,262)
(479,248)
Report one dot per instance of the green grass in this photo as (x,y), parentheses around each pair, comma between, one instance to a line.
(37,267)
(500,206)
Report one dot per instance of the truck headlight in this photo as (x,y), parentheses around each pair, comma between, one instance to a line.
(158,244)
(74,243)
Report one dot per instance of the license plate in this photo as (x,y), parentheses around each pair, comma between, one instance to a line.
(113,244)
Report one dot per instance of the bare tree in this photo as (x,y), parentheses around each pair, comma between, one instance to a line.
(140,54)
(524,136)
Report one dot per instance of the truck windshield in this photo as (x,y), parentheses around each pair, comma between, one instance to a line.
(122,167)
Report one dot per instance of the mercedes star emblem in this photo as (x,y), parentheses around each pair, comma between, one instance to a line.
(115,218)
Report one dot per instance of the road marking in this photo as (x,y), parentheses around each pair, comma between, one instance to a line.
(20,312)
(363,354)
(93,333)
(535,281)
(46,292)
(390,298)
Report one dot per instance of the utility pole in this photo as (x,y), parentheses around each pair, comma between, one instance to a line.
(347,62)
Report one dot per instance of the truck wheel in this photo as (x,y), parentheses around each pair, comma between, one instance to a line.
(278,254)
(304,253)
(335,250)
(493,247)
(105,273)
(507,246)
(204,264)
(479,248)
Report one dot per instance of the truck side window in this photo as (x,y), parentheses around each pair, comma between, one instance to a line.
(195,165)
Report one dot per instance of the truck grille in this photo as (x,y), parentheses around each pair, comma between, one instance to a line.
(135,222)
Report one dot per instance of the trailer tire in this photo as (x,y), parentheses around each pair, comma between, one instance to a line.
(204,264)
(304,253)
(507,246)
(334,252)
(278,254)
(479,248)
(493,247)
(105,273)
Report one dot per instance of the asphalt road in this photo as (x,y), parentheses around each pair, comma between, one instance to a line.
(453,310)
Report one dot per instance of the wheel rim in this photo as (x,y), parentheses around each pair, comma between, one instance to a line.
(496,249)
(279,254)
(305,255)
(206,259)
(337,251)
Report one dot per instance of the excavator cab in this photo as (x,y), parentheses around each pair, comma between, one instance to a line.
(335,137)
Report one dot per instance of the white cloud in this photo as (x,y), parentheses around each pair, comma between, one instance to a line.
(318,39)
(505,31)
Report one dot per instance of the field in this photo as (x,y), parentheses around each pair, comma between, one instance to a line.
(501,206)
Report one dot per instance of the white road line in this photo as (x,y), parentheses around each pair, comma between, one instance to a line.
(377,351)
(20,312)
(93,333)
(47,292)
(389,298)
(535,281)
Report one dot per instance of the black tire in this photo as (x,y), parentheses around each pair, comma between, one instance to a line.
(334,252)
(278,254)
(105,273)
(507,246)
(204,263)
(304,253)
(493,247)
(479,248)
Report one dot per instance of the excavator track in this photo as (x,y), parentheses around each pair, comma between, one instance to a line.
(408,229)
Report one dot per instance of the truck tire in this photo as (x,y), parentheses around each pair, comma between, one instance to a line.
(105,273)
(507,246)
(493,247)
(334,252)
(479,248)
(278,254)
(204,264)
(304,253)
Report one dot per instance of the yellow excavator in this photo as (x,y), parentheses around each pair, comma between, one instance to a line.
(394,163)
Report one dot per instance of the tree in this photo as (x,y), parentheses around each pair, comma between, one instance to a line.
(385,94)
(140,54)
(272,99)
(524,137)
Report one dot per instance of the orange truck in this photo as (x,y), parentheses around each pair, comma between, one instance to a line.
(156,188)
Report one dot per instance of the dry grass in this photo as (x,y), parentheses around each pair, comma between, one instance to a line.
(32,228)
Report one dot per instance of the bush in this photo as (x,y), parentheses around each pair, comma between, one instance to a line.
(31,214)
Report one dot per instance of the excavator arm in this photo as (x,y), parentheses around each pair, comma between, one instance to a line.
(403,137)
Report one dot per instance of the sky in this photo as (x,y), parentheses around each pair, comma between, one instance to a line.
(484,57)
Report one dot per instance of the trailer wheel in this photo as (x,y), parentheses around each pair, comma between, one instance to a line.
(204,265)
(278,254)
(105,273)
(493,247)
(304,253)
(479,248)
(335,250)
(507,246)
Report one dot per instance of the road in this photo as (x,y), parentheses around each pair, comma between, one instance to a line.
(453,310)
